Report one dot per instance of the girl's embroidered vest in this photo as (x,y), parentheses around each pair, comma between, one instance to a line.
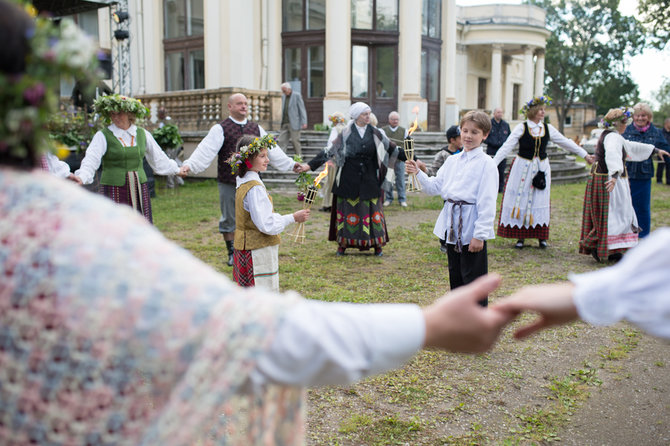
(232,133)
(247,235)
(529,145)
(119,160)
(600,166)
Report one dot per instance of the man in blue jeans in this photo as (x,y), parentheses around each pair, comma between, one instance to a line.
(396,134)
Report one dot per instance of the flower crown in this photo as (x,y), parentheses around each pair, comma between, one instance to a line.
(116,103)
(537,100)
(237,158)
(627,116)
(28,100)
(336,118)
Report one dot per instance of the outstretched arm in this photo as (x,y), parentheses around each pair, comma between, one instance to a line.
(342,342)
(634,289)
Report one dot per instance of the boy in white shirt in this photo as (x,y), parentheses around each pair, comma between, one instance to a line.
(468,184)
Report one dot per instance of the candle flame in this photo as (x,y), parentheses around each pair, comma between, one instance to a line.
(414,126)
(321,176)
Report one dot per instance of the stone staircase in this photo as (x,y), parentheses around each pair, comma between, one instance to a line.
(564,168)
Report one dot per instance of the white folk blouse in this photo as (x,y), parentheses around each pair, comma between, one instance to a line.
(209,148)
(257,203)
(471,177)
(157,159)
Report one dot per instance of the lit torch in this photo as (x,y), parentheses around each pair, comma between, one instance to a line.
(412,181)
(299,233)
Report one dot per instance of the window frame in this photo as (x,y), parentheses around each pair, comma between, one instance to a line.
(185,45)
(374,21)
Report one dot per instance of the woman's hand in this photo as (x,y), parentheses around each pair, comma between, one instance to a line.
(183,171)
(609,184)
(301,215)
(553,303)
(75,179)
(411,167)
(475,245)
(662,154)
(300,168)
(457,323)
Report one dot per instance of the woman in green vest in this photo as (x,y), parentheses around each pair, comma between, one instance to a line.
(120,148)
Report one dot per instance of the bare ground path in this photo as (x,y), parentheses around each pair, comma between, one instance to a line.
(626,401)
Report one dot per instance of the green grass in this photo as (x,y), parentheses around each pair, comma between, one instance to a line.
(519,393)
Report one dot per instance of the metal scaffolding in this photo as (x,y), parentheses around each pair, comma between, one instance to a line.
(121,79)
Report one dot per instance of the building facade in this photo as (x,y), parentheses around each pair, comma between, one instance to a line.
(426,58)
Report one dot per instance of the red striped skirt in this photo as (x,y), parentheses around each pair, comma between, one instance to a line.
(124,195)
(243,268)
(593,236)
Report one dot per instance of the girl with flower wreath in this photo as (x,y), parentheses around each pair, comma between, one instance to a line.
(525,211)
(120,148)
(609,223)
(257,227)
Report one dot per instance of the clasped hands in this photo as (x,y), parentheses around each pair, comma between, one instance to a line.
(457,323)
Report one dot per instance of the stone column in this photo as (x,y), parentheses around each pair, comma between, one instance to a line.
(449,63)
(528,81)
(338,58)
(509,114)
(227,38)
(496,77)
(409,64)
(272,12)
(539,73)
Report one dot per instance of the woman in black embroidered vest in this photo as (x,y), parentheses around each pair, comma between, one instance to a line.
(525,211)
(121,148)
(362,153)
(609,223)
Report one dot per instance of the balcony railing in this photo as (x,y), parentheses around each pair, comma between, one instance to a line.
(194,110)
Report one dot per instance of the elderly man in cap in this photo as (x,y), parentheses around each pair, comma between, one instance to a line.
(362,154)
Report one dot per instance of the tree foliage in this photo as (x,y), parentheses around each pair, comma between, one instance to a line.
(663,97)
(615,91)
(656,16)
(585,51)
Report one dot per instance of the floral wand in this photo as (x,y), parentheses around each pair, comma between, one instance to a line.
(308,200)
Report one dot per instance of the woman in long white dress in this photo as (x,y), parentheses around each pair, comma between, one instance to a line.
(525,209)
(609,223)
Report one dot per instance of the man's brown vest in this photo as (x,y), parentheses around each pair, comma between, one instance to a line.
(231,134)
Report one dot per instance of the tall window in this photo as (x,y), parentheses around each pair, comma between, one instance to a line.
(431,48)
(481,93)
(304,44)
(432,18)
(430,75)
(379,15)
(183,43)
(302,15)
